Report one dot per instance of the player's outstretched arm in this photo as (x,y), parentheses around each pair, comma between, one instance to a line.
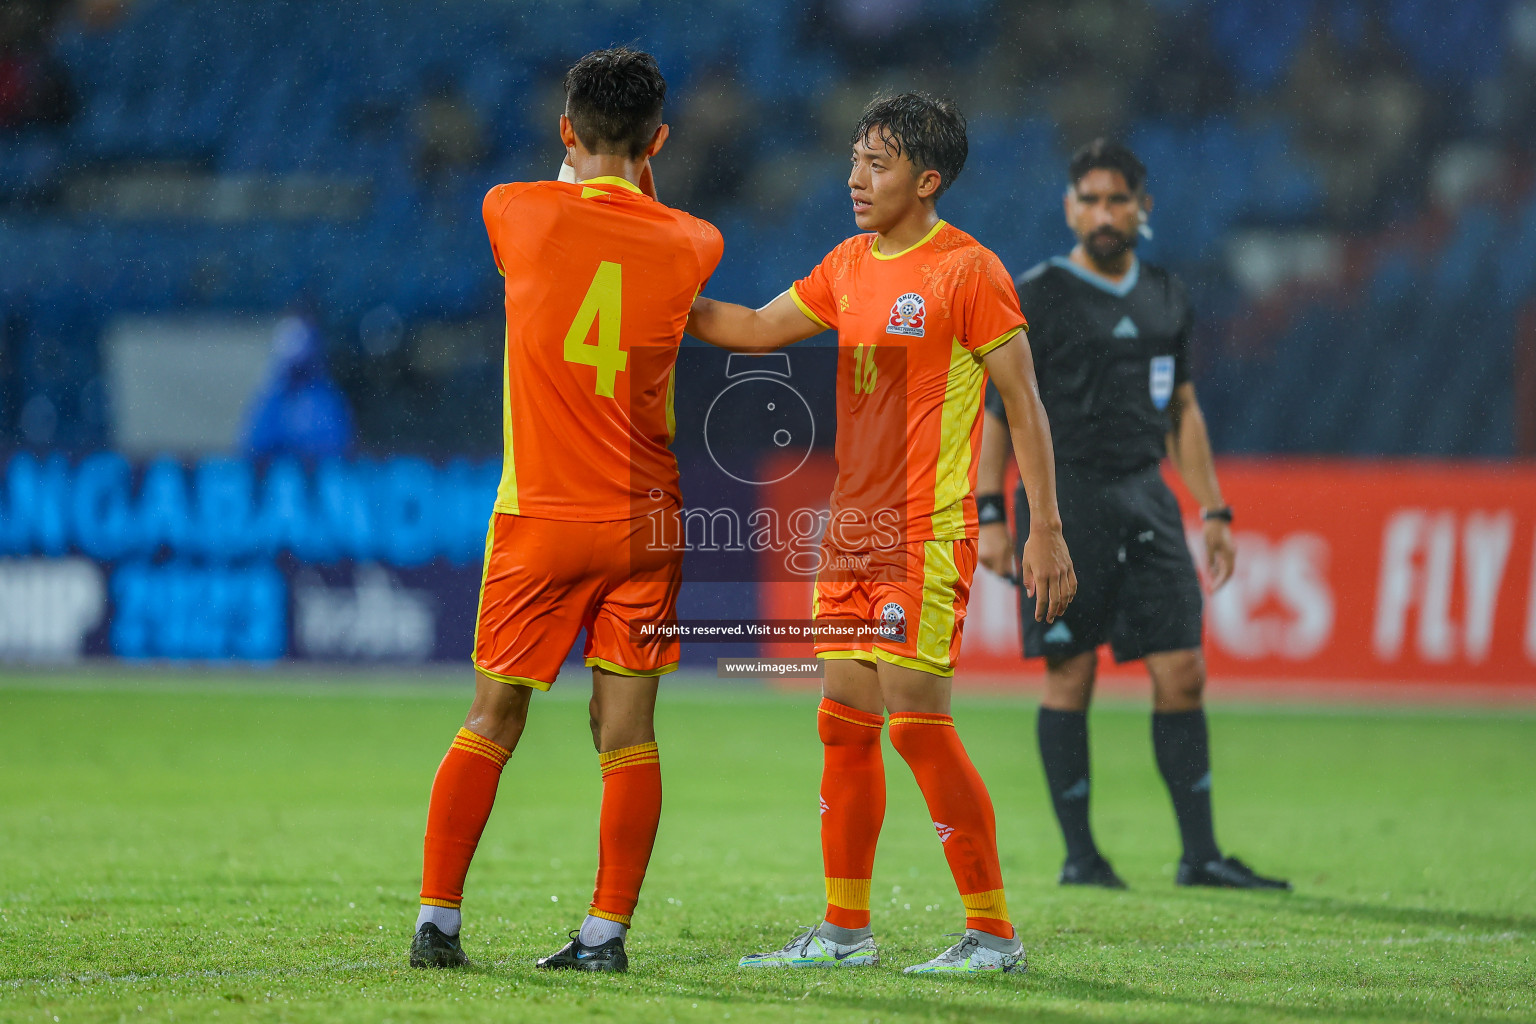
(1189,446)
(1045,564)
(740,329)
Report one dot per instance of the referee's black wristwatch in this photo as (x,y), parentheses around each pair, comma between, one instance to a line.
(1217,515)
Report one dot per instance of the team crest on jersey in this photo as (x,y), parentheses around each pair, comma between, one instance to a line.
(893,623)
(907,316)
(1161,380)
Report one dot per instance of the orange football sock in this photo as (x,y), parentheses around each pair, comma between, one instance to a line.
(852,808)
(626,829)
(462,795)
(962,814)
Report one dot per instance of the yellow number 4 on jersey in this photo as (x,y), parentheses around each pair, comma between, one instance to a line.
(603,303)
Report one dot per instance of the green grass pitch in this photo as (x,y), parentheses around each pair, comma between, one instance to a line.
(247,848)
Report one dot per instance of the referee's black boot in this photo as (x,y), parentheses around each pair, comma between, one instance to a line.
(431,948)
(1094,870)
(1227,873)
(575,956)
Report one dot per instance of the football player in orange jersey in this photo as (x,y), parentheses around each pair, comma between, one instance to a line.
(923,314)
(599,280)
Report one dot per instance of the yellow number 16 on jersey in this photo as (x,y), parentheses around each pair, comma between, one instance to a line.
(603,303)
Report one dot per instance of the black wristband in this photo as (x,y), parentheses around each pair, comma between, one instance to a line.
(1223,514)
(991,508)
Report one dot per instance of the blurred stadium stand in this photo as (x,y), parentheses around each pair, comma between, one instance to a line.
(1345,185)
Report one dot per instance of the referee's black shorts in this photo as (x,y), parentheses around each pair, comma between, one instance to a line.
(1137,587)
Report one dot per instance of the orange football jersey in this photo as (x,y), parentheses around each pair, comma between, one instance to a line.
(911,330)
(599,282)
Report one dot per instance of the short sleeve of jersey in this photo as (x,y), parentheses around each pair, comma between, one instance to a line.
(491,210)
(709,244)
(990,307)
(1186,325)
(813,292)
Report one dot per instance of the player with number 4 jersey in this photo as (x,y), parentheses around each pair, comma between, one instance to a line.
(599,280)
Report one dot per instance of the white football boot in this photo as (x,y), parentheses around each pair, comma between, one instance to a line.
(818,946)
(976,953)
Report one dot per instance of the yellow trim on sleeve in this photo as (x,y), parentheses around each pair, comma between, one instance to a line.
(981,350)
(537,684)
(613,179)
(620,670)
(807,309)
(882,654)
(874,247)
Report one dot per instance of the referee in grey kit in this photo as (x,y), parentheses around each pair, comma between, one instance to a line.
(1110,337)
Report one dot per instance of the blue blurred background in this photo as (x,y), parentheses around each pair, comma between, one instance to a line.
(250,330)
(1346,186)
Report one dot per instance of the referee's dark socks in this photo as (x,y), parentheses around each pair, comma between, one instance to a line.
(1063,739)
(1183,750)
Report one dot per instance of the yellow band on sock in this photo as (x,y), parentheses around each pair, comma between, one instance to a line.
(920,718)
(628,757)
(450,904)
(473,743)
(848,893)
(989,904)
(622,919)
(832,709)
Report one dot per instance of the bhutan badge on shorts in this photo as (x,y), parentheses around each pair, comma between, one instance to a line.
(893,623)
(907,316)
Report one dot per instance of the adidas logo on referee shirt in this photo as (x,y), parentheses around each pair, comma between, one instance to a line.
(1126,328)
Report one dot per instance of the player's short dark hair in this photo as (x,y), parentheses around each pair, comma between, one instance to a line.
(613,98)
(1110,156)
(928,129)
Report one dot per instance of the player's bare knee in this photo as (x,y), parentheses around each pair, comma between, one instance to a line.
(1178,680)
(1069,681)
(499,711)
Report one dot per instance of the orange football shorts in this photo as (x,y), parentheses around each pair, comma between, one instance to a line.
(916,592)
(546,580)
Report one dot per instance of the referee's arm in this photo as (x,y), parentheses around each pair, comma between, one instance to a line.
(1189,447)
(1045,569)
